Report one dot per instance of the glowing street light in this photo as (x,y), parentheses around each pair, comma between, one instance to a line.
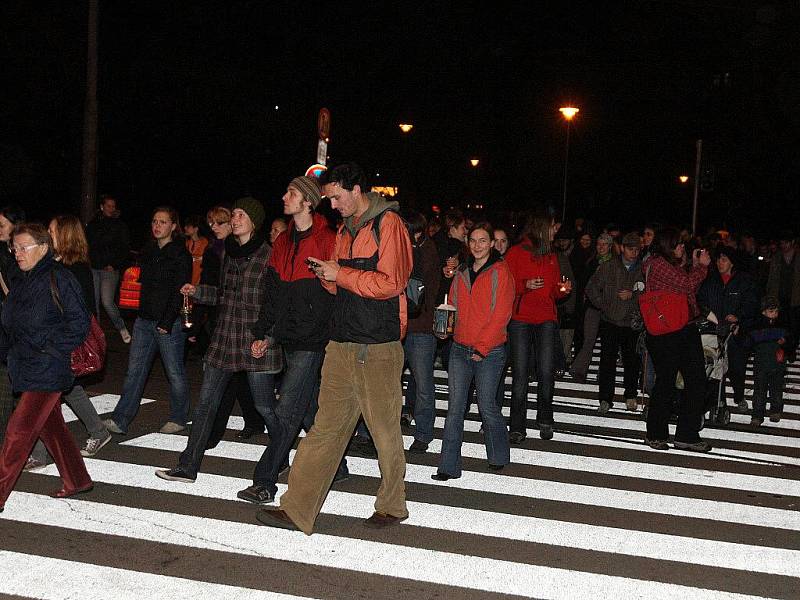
(569,113)
(474,162)
(683,178)
(406,127)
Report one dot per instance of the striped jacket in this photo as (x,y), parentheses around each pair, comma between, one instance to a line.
(239,297)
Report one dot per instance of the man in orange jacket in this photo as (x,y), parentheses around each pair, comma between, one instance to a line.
(368,272)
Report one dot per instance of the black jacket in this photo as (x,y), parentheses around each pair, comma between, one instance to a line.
(739,297)
(164,271)
(85,279)
(37,337)
(109,242)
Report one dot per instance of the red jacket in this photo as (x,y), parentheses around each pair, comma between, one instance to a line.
(534,306)
(483,307)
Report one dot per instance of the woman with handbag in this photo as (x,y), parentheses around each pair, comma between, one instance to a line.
(668,306)
(72,250)
(38,338)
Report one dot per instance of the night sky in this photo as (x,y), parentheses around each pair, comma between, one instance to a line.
(188,95)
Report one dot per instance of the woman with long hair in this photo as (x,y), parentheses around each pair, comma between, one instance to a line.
(482,292)
(534,322)
(166,265)
(72,250)
(39,335)
(677,351)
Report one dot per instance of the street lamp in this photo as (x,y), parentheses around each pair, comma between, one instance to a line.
(569,113)
(474,162)
(683,178)
(406,127)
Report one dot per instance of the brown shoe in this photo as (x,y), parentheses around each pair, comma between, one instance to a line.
(275,517)
(380,520)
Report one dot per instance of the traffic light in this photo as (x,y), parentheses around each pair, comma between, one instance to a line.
(707,179)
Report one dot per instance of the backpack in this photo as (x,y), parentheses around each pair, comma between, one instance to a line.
(415,288)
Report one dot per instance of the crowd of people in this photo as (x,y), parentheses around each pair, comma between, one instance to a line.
(309,324)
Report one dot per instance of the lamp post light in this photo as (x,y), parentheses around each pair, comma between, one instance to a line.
(683,178)
(406,127)
(569,113)
(474,161)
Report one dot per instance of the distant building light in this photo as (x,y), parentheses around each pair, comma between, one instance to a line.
(385,190)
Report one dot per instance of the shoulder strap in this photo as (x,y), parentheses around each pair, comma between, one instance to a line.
(54,292)
(3,284)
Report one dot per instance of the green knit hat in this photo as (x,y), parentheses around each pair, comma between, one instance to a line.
(254,210)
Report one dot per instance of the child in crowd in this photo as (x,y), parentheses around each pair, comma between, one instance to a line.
(768,338)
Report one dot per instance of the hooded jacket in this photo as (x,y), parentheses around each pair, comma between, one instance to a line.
(370,305)
(164,271)
(483,304)
(38,338)
(297,309)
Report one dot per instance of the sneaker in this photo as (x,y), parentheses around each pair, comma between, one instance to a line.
(699,446)
(516,437)
(112,426)
(175,475)
(605,406)
(406,420)
(630,403)
(257,494)
(742,405)
(125,335)
(93,445)
(545,431)
(33,465)
(756,421)
(340,476)
(775,417)
(363,448)
(418,447)
(172,427)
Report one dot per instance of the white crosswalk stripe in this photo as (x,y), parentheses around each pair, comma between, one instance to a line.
(592,514)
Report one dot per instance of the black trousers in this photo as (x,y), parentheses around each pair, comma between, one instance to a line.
(238,389)
(673,352)
(612,338)
(737,365)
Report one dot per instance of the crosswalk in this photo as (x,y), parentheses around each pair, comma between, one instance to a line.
(591,514)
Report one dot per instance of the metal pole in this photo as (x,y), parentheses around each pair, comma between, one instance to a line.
(566,164)
(89,165)
(696,185)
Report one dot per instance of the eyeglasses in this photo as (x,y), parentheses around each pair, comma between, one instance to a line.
(212,223)
(160,222)
(22,249)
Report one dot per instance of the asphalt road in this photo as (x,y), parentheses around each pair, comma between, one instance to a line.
(591,514)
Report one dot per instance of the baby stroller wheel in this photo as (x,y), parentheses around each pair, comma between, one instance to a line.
(723,416)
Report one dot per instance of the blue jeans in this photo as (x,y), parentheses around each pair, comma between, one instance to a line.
(486,373)
(420,350)
(215,381)
(105,291)
(298,406)
(144,345)
(532,342)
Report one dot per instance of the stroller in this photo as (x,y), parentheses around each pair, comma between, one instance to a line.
(715,337)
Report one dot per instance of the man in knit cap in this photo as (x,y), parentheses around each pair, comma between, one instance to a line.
(296,315)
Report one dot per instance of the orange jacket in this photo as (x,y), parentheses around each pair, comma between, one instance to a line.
(395,258)
(483,309)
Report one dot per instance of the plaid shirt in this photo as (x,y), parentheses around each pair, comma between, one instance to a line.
(660,275)
(239,296)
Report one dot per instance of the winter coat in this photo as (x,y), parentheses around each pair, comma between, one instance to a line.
(534,306)
(297,309)
(83,273)
(483,304)
(774,278)
(447,247)
(38,338)
(603,291)
(238,297)
(164,271)
(739,297)
(109,242)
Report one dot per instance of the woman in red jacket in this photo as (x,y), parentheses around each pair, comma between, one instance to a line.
(678,351)
(482,292)
(534,323)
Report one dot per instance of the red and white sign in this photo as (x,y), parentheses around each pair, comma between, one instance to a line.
(324,124)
